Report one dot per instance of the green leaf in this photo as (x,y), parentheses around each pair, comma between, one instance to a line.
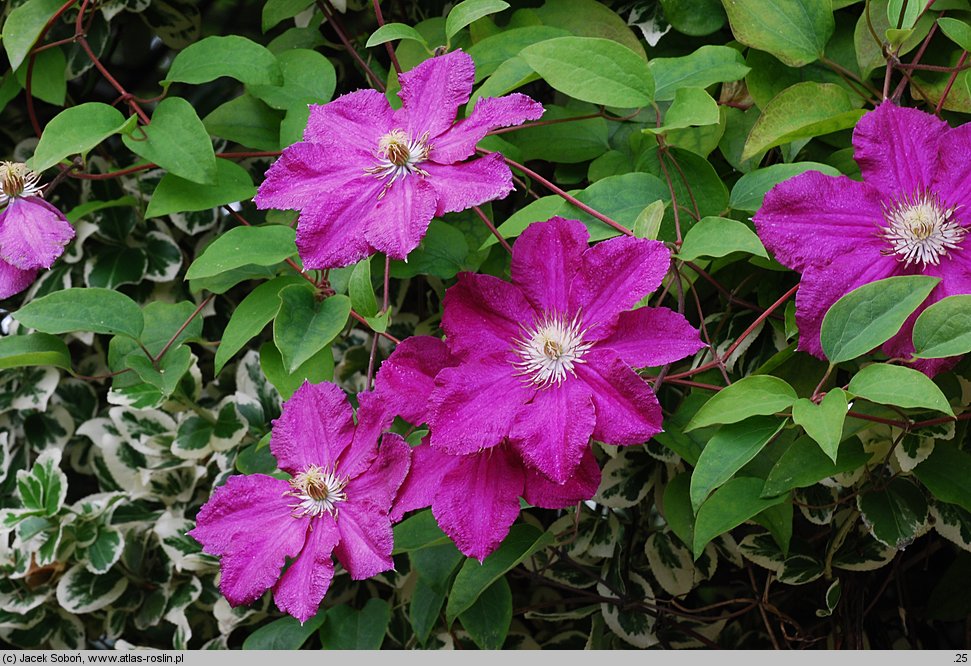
(23,27)
(488,619)
(468,11)
(622,198)
(898,386)
(872,314)
(318,368)
(18,351)
(76,131)
(247,121)
(79,591)
(728,507)
(694,17)
(104,551)
(691,107)
(946,473)
(275,11)
(701,68)
(304,326)
(418,531)
(442,253)
(944,328)
(241,246)
(823,422)
(490,53)
(750,189)
(894,513)
(250,317)
(474,578)
(178,195)
(425,609)
(233,56)
(902,14)
(176,140)
(389,32)
(285,633)
(751,396)
(361,291)
(728,451)
(42,490)
(677,507)
(956,30)
(48,78)
(794,31)
(164,375)
(594,70)
(648,222)
(89,309)
(348,628)
(719,236)
(115,266)
(802,111)
(566,142)
(308,78)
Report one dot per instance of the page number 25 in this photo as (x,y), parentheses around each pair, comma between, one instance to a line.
(961,658)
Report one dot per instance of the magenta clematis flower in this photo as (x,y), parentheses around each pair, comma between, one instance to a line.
(33,233)
(495,477)
(547,360)
(909,216)
(337,501)
(367,178)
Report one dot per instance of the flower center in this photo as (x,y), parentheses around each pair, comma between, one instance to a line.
(921,229)
(399,156)
(318,490)
(550,349)
(17,180)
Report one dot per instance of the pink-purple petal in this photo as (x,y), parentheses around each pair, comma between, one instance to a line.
(541,492)
(489,113)
(484,315)
(652,337)
(14,280)
(465,184)
(305,582)
(627,409)
(399,219)
(357,120)
(952,181)
(553,430)
(407,377)
(544,259)
(33,233)
(494,480)
(484,393)
(373,418)
(381,481)
(249,523)
(613,276)
(330,231)
(813,218)
(428,467)
(432,93)
(366,538)
(896,148)
(316,426)
(304,172)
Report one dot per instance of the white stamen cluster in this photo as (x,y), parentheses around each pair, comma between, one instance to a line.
(550,349)
(398,156)
(317,490)
(921,229)
(16,180)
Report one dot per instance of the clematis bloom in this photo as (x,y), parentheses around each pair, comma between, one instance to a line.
(547,360)
(367,178)
(33,233)
(337,502)
(496,477)
(909,216)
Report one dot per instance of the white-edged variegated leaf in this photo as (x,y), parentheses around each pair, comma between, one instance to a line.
(184,551)
(230,425)
(250,409)
(817,503)
(98,505)
(831,599)
(860,551)
(913,450)
(22,621)
(800,569)
(228,618)
(173,485)
(20,599)
(661,453)
(152,608)
(104,551)
(562,616)
(74,252)
(251,381)
(728,549)
(953,523)
(627,478)
(4,455)
(50,429)
(42,490)
(122,463)
(195,222)
(50,550)
(761,549)
(709,630)
(31,389)
(146,430)
(164,257)
(630,623)
(70,633)
(671,563)
(139,396)
(603,536)
(79,591)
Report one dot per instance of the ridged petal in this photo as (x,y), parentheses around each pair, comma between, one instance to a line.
(357,120)
(433,91)
(380,482)
(651,337)
(489,113)
(483,315)
(582,486)
(315,428)
(465,184)
(330,231)
(627,409)
(33,233)
(14,280)
(544,259)
(305,582)
(407,377)
(399,219)
(304,172)
(366,539)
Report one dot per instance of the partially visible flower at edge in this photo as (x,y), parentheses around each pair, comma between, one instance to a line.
(33,233)
(367,178)
(474,497)
(337,502)
(909,216)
